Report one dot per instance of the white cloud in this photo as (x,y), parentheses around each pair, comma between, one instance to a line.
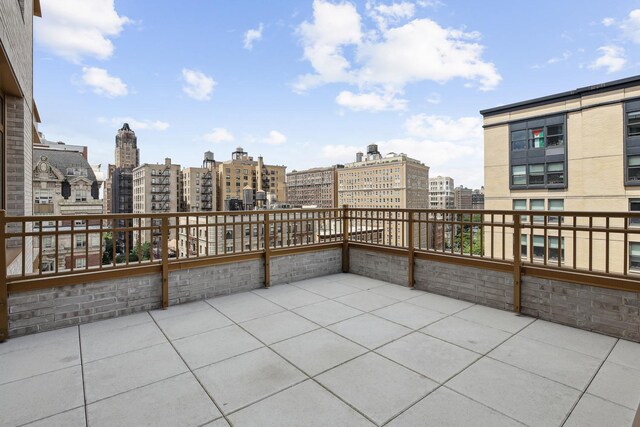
(252,36)
(370,101)
(197,84)
(102,83)
(631,26)
(275,138)
(607,22)
(612,58)
(334,26)
(74,29)
(135,123)
(218,135)
(449,146)
(386,59)
(340,152)
(434,98)
(384,14)
(444,128)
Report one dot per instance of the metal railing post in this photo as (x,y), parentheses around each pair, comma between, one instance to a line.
(345,239)
(517,263)
(165,262)
(266,236)
(410,247)
(4,308)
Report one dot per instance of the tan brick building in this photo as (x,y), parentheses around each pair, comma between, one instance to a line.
(313,187)
(18,119)
(374,181)
(199,186)
(463,197)
(242,178)
(572,151)
(391,181)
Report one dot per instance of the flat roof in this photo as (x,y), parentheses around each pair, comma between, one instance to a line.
(564,96)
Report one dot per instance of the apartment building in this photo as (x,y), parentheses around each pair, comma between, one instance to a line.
(391,181)
(155,190)
(441,193)
(245,232)
(573,151)
(242,181)
(376,181)
(477,199)
(313,187)
(118,187)
(199,186)
(18,120)
(64,184)
(463,197)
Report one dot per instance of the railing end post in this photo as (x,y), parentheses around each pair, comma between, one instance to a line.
(345,238)
(165,262)
(4,297)
(517,264)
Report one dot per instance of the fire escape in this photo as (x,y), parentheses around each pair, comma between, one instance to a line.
(160,196)
(207,192)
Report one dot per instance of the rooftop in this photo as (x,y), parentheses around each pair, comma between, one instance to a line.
(334,350)
(564,96)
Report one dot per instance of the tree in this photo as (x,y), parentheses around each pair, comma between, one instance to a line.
(107,254)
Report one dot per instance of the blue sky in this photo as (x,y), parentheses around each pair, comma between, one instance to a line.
(308,83)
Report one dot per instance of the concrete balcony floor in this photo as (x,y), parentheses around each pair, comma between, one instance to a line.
(340,350)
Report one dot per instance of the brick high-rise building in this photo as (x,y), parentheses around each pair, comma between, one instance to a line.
(463,197)
(155,190)
(199,185)
(242,180)
(391,181)
(18,121)
(313,187)
(374,181)
(118,188)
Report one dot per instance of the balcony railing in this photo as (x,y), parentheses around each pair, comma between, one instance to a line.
(594,248)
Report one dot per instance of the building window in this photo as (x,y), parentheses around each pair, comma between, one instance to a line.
(538,150)
(555,173)
(538,246)
(81,195)
(519,175)
(632,143)
(43,196)
(519,140)
(81,241)
(523,246)
(633,169)
(554,250)
(536,174)
(555,205)
(47,242)
(537,205)
(634,206)
(634,256)
(80,263)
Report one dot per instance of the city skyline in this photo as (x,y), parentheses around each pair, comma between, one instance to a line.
(304,84)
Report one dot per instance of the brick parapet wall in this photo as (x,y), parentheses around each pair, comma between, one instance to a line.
(53,308)
(607,311)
